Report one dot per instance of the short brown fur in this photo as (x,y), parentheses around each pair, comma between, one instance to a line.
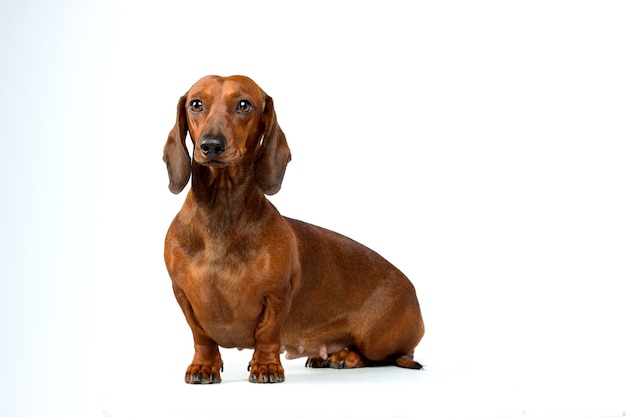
(247,277)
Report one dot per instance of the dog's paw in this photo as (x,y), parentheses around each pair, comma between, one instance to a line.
(266,373)
(203,374)
(317,362)
(346,358)
(343,359)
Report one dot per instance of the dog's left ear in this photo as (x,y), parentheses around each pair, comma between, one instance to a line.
(271,163)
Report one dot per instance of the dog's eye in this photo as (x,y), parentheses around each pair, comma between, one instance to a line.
(196,106)
(244,107)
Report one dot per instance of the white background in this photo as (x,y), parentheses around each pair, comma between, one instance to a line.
(479,146)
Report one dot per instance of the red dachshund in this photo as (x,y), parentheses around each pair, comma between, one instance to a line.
(247,277)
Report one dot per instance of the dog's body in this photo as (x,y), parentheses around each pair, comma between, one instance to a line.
(245,276)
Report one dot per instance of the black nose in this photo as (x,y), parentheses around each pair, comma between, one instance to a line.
(213,145)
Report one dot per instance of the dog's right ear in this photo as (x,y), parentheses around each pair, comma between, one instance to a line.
(175,153)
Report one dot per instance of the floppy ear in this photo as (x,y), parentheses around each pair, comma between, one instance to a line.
(175,153)
(271,163)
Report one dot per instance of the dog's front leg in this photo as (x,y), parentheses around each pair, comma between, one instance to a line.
(265,366)
(207,362)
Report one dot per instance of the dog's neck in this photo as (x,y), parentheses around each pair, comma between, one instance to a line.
(227,198)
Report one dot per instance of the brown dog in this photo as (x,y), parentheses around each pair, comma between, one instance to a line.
(245,276)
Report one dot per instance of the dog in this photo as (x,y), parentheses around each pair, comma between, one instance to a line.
(247,277)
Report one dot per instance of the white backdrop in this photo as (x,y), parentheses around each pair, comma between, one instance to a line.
(479,146)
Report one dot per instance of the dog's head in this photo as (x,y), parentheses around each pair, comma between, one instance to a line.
(230,121)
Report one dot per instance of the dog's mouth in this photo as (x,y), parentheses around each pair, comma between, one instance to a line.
(218,162)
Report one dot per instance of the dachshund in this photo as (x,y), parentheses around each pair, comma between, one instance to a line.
(247,277)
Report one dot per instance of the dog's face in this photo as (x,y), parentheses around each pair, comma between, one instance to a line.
(231,121)
(224,119)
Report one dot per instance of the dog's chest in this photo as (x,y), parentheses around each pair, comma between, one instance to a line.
(225,291)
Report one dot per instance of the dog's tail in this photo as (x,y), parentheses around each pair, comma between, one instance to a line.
(406,361)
